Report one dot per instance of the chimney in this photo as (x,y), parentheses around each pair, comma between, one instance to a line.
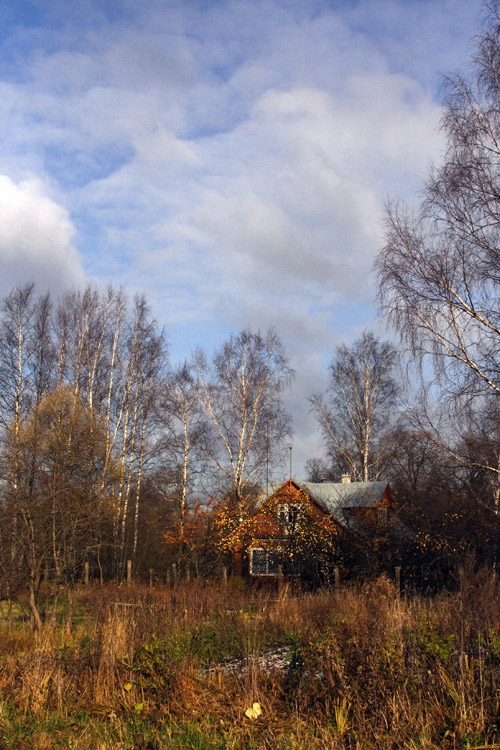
(346,478)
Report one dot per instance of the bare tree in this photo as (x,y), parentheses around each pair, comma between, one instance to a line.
(439,273)
(109,359)
(356,412)
(141,359)
(54,497)
(241,392)
(24,352)
(467,430)
(17,355)
(322,470)
(152,365)
(184,425)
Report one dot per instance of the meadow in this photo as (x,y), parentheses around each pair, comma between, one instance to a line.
(202,665)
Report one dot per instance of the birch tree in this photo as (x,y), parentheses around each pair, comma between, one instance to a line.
(17,355)
(21,384)
(153,362)
(184,426)
(439,272)
(110,358)
(357,411)
(142,361)
(241,391)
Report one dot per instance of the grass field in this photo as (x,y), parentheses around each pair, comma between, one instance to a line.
(150,668)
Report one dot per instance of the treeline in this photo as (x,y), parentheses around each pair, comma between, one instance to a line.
(109,454)
(441,459)
(105,448)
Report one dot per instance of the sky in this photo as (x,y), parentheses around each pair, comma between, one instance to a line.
(232,159)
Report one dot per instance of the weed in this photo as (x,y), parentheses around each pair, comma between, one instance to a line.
(147,668)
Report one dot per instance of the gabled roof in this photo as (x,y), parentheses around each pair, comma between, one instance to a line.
(337,497)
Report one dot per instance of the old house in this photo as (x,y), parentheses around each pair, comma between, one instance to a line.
(303,527)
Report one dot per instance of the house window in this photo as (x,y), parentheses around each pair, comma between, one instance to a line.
(289,515)
(382,515)
(264,562)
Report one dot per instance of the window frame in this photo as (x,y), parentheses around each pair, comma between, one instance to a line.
(290,514)
(269,555)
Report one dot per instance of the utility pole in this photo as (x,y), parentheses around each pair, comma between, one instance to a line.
(267,459)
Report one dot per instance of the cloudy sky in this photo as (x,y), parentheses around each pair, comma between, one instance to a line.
(231,158)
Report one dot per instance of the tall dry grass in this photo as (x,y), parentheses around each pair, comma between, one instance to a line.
(361,667)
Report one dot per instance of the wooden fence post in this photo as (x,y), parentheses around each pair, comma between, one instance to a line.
(224,575)
(337,576)
(398,578)
(129,572)
(86,575)
(151,576)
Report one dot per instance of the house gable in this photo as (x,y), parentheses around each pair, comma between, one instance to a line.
(269,521)
(332,508)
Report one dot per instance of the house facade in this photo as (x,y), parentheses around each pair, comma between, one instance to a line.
(302,527)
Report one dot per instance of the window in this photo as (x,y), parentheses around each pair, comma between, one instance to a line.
(264,562)
(289,515)
(382,515)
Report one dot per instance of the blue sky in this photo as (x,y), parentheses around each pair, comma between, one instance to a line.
(232,159)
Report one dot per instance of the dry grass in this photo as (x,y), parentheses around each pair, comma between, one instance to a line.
(178,667)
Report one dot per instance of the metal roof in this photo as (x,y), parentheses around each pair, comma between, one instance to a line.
(337,497)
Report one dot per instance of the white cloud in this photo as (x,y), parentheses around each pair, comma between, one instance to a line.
(35,238)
